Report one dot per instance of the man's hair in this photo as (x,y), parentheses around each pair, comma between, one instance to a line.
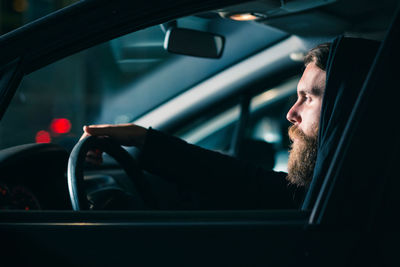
(318,55)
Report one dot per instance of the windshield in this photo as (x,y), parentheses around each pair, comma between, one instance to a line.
(119,81)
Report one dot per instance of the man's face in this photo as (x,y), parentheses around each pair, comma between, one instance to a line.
(304,115)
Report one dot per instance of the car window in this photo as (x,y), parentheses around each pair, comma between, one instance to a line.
(119,81)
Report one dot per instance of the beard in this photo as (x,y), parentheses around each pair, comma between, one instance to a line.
(302,156)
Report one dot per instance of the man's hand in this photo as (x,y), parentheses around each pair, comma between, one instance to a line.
(125,134)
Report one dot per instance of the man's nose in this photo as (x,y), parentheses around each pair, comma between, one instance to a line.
(293,115)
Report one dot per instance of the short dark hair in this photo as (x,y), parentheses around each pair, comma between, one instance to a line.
(318,55)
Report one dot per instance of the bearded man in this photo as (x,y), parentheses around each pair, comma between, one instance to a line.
(305,116)
(228,183)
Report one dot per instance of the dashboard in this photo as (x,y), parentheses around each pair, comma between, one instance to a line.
(32,177)
(17,196)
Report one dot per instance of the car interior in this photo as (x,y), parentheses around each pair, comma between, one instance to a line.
(218,74)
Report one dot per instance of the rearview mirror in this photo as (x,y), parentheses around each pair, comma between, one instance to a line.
(193,43)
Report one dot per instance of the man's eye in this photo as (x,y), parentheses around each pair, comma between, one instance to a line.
(304,98)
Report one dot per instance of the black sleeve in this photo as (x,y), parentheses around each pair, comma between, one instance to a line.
(240,183)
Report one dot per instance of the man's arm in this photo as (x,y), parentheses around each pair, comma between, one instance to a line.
(232,182)
(239,184)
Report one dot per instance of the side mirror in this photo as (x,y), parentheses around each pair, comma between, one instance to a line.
(193,43)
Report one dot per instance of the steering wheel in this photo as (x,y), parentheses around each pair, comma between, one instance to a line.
(76,162)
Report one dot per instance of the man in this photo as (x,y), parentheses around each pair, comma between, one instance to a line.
(231,183)
(305,116)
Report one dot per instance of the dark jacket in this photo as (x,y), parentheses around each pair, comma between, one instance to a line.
(228,182)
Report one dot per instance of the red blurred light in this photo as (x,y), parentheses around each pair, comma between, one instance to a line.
(43,137)
(60,126)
